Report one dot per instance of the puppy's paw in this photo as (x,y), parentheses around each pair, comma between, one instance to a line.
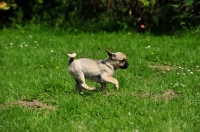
(83,85)
(81,92)
(117,88)
(91,89)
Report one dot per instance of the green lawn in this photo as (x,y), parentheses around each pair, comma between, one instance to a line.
(159,92)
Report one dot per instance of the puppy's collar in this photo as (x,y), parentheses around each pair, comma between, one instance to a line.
(101,62)
(105,63)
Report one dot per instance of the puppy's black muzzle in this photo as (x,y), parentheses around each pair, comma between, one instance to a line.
(126,64)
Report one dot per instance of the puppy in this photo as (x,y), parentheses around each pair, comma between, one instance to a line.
(101,71)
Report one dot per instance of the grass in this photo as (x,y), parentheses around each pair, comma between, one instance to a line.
(159,92)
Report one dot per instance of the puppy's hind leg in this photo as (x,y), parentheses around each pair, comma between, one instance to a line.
(78,87)
(85,86)
(81,80)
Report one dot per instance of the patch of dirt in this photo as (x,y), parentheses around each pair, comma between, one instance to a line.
(163,67)
(160,96)
(34,104)
(156,96)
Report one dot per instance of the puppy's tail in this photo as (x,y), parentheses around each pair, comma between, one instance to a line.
(71,56)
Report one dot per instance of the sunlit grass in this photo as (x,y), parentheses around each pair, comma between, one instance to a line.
(34,67)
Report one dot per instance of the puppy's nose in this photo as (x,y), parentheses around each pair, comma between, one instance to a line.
(126,64)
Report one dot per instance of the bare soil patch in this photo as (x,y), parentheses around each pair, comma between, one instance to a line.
(159,96)
(34,104)
(163,67)
(155,96)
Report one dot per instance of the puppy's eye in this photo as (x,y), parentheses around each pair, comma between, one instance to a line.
(121,61)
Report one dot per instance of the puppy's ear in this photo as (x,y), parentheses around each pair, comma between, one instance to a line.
(110,54)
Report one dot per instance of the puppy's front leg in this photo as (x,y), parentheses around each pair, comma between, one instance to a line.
(111,80)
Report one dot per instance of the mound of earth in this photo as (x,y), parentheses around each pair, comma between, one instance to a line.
(35,104)
(158,96)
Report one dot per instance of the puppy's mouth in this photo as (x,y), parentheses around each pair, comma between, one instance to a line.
(125,66)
